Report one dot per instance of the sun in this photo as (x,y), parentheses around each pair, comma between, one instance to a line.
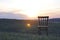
(31,15)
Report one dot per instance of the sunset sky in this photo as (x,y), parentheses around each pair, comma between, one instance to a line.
(32,8)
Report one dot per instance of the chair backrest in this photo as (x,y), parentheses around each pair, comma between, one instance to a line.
(43,21)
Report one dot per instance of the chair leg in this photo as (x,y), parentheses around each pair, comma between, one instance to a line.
(39,31)
(47,31)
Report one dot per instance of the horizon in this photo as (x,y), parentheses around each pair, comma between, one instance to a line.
(11,15)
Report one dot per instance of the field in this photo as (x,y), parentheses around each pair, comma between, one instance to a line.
(16,30)
(24,36)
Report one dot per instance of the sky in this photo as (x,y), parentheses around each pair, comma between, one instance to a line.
(32,8)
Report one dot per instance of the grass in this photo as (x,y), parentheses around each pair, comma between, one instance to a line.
(25,36)
(18,36)
(13,26)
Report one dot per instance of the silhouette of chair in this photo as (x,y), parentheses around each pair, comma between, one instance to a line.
(43,24)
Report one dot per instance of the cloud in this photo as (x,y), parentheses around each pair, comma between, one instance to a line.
(54,13)
(10,15)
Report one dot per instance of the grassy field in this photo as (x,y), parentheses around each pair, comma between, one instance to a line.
(25,36)
(16,30)
(20,36)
